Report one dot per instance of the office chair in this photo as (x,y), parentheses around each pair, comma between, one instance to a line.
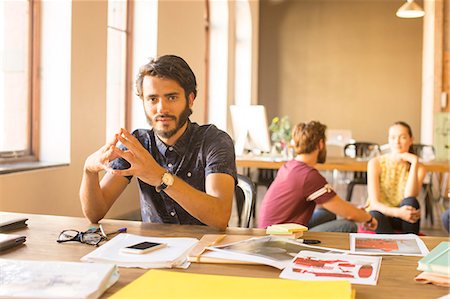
(245,195)
(359,150)
(426,152)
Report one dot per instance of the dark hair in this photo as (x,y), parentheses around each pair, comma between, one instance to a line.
(307,136)
(403,124)
(169,67)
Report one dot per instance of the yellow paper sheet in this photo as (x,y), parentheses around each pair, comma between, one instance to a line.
(168,284)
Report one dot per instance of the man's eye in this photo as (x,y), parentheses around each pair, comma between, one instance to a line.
(172,98)
(152,100)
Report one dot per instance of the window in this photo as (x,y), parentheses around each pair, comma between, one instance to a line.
(118,57)
(18,84)
(218,63)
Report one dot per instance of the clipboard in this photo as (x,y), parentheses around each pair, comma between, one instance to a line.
(196,253)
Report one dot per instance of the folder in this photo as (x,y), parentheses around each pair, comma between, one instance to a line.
(8,241)
(168,284)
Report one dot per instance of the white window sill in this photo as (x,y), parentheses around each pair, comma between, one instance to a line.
(27,166)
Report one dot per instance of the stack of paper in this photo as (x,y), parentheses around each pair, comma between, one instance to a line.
(290,230)
(51,279)
(436,266)
(173,255)
(160,284)
(8,241)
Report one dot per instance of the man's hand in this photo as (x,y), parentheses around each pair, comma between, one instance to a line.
(372,225)
(409,214)
(99,160)
(143,165)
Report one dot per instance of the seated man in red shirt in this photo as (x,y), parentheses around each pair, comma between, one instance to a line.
(299,187)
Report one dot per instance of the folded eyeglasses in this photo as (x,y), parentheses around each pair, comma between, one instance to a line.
(92,236)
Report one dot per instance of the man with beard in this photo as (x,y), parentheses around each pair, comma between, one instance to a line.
(299,187)
(186,172)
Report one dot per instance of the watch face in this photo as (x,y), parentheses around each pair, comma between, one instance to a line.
(167,179)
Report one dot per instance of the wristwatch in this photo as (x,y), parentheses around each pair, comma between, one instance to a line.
(166,181)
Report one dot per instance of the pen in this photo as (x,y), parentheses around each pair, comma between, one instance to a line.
(308,241)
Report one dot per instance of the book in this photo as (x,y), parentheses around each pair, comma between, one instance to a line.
(54,279)
(437,261)
(8,241)
(160,284)
(8,223)
(309,265)
(272,251)
(173,255)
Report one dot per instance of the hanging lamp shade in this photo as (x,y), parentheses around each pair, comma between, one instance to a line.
(410,10)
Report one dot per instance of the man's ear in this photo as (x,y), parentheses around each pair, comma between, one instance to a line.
(191,99)
(321,144)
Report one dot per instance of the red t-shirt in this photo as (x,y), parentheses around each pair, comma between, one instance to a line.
(293,195)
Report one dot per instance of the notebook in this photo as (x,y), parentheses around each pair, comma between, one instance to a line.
(176,285)
(12,223)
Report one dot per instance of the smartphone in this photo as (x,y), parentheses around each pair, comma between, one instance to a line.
(143,247)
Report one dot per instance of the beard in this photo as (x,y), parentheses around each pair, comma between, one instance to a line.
(180,121)
(322,157)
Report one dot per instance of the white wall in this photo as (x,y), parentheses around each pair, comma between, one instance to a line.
(350,64)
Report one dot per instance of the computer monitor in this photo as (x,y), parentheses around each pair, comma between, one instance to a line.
(250,129)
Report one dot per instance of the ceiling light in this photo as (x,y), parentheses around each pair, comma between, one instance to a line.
(410,10)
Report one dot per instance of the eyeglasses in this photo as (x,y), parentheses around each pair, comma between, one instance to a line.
(92,236)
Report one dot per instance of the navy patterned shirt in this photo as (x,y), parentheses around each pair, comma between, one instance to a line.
(200,151)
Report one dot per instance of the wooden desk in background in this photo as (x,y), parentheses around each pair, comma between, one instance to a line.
(396,279)
(332,163)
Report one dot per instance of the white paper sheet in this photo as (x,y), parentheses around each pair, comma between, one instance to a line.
(310,265)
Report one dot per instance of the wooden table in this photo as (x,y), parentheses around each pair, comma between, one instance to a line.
(396,279)
(332,163)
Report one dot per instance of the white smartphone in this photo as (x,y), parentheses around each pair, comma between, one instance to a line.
(143,247)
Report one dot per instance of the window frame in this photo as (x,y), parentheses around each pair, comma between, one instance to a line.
(31,153)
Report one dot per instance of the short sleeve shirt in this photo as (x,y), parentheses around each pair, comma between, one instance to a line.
(293,195)
(200,151)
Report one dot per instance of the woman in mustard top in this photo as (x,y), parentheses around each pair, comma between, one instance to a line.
(394,181)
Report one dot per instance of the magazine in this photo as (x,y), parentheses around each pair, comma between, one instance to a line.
(273,251)
(309,265)
(387,244)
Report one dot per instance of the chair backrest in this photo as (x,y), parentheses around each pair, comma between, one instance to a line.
(424,151)
(362,150)
(245,195)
